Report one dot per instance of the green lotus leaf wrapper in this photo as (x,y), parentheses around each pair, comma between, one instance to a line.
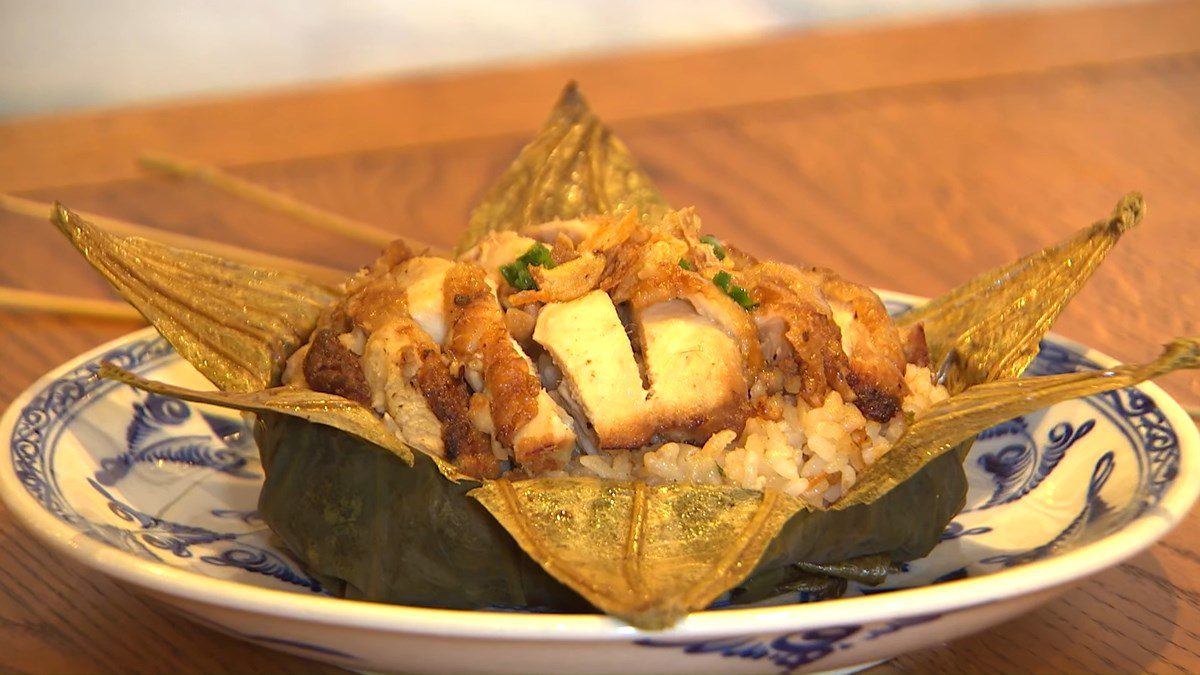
(379,521)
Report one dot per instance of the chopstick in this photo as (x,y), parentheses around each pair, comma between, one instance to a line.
(35,301)
(275,201)
(34,209)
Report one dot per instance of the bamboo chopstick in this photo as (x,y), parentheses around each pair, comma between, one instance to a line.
(275,201)
(36,301)
(43,210)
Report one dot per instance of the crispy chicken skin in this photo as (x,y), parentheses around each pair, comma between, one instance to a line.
(406,369)
(797,329)
(449,398)
(840,335)
(589,345)
(524,415)
(872,345)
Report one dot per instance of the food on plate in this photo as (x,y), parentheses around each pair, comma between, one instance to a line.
(596,404)
(609,348)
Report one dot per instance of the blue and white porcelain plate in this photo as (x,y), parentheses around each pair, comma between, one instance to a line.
(161,494)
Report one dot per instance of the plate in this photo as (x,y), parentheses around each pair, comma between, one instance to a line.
(161,495)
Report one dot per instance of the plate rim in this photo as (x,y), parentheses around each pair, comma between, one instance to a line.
(1042,575)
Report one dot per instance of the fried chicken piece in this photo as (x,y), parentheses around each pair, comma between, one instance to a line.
(525,416)
(402,314)
(872,344)
(332,368)
(698,378)
(798,331)
(589,345)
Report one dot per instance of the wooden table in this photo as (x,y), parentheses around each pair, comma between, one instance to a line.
(908,157)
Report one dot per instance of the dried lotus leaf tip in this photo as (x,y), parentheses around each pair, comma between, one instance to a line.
(596,404)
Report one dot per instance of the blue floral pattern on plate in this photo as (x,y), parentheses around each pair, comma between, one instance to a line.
(162,436)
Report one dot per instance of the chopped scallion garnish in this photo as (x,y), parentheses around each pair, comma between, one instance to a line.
(741,296)
(537,255)
(717,246)
(517,273)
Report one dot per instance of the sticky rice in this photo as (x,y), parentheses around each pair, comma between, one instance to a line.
(814,454)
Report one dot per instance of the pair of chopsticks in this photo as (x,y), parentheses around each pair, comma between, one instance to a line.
(14,299)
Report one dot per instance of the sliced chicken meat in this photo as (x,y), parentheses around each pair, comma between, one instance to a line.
(392,358)
(405,369)
(525,417)
(423,279)
(698,383)
(589,345)
(839,334)
(671,282)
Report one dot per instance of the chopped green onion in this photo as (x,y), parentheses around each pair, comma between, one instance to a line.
(741,296)
(686,265)
(718,248)
(517,273)
(537,255)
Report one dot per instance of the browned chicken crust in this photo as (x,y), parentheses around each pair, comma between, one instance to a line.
(332,368)
(816,359)
(877,359)
(478,336)
(380,304)
(449,398)
(866,366)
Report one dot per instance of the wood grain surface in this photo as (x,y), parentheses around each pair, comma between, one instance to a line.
(907,157)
